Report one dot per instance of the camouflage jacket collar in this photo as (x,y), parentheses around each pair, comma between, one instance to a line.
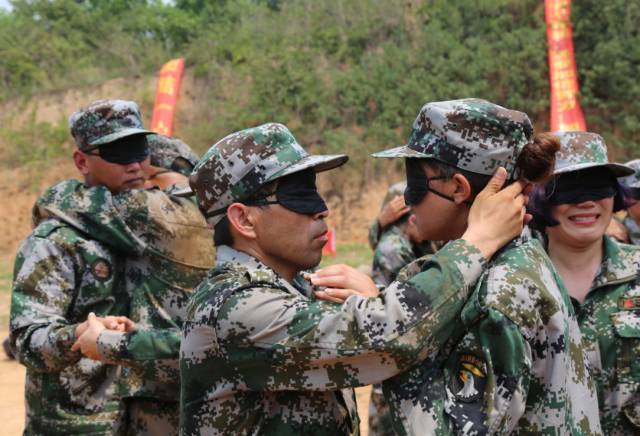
(618,265)
(256,271)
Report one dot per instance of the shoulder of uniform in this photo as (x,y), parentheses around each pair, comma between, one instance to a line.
(509,283)
(221,284)
(46,228)
(629,252)
(229,278)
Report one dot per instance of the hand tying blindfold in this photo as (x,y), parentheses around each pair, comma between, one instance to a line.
(123,151)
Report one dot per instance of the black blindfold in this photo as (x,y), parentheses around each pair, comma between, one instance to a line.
(124,151)
(296,192)
(580,186)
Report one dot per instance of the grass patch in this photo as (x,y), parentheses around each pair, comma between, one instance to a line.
(353,254)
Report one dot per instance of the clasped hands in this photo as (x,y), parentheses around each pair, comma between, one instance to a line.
(87,332)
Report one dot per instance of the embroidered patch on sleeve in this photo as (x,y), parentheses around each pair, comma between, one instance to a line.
(470,378)
(101,269)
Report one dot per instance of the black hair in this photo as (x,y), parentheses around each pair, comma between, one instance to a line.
(222,233)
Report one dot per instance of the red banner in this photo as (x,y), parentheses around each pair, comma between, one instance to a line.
(167,96)
(330,247)
(566,114)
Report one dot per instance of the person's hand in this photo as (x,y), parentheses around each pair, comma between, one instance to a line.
(87,343)
(617,230)
(118,323)
(339,282)
(497,215)
(393,211)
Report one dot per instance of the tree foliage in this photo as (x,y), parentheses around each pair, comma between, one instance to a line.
(345,74)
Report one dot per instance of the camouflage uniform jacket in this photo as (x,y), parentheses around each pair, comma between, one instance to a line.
(634,230)
(610,322)
(253,339)
(393,252)
(61,275)
(169,251)
(515,364)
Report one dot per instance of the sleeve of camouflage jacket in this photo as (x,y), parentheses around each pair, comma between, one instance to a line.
(137,347)
(389,258)
(374,234)
(43,290)
(291,343)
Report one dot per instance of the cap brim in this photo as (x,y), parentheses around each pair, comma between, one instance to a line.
(123,133)
(318,162)
(402,151)
(618,170)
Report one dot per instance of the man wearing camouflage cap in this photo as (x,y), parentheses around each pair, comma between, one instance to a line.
(600,274)
(166,251)
(255,334)
(514,362)
(62,274)
(171,162)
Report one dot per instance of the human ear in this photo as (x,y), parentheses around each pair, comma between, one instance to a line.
(242,220)
(462,192)
(80,159)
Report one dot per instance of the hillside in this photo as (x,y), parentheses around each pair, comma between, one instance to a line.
(345,76)
(27,170)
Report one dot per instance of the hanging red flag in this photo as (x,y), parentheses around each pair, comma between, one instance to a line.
(167,96)
(566,114)
(330,247)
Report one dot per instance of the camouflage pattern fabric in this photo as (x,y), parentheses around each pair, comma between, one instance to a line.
(239,164)
(470,134)
(105,121)
(169,251)
(632,181)
(609,319)
(375,231)
(393,252)
(515,364)
(633,228)
(252,338)
(582,150)
(172,154)
(61,275)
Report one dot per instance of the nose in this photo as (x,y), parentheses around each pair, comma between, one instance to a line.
(321,215)
(133,167)
(585,204)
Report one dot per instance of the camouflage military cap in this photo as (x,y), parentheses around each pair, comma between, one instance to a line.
(172,154)
(239,164)
(471,134)
(105,121)
(582,150)
(632,181)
